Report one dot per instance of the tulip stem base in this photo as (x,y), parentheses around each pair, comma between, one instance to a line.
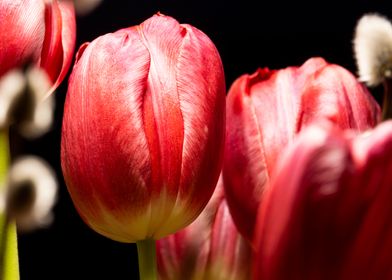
(387,102)
(9,263)
(147,259)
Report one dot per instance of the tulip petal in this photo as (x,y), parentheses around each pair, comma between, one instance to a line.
(288,231)
(202,108)
(52,51)
(68,36)
(371,250)
(209,248)
(320,100)
(327,212)
(183,103)
(21,34)
(59,40)
(239,169)
(229,253)
(163,117)
(123,158)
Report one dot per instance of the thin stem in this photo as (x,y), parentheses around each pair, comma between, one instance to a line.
(147,259)
(387,103)
(9,263)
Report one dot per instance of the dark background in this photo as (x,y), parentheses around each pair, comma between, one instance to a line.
(248,36)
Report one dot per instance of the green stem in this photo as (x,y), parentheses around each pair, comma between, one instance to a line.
(9,263)
(147,259)
(387,103)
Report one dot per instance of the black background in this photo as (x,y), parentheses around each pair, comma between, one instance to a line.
(248,35)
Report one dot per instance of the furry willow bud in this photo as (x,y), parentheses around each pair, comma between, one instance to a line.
(84,7)
(12,86)
(23,102)
(40,117)
(30,193)
(373,49)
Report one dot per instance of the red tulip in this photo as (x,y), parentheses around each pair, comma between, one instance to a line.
(209,248)
(143,129)
(264,113)
(328,212)
(37,31)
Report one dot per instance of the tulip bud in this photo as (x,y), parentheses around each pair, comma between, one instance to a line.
(264,113)
(327,214)
(209,248)
(143,129)
(40,32)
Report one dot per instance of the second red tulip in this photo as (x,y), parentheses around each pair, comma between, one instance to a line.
(267,109)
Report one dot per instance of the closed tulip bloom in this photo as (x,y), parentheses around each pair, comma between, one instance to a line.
(267,109)
(328,212)
(208,249)
(40,32)
(143,129)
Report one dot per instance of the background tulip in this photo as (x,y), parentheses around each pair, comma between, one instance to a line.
(209,248)
(143,129)
(267,109)
(40,32)
(327,214)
